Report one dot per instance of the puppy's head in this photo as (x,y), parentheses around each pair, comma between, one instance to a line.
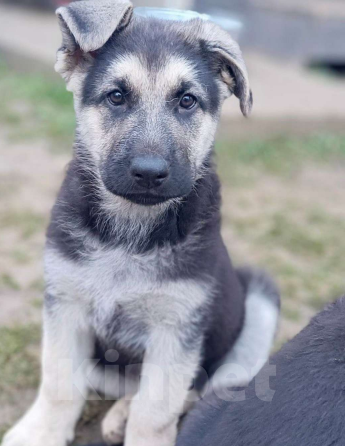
(148,95)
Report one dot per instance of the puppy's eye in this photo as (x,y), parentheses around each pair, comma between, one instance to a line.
(116,97)
(188,101)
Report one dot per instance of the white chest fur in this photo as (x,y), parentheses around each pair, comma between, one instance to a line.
(114,287)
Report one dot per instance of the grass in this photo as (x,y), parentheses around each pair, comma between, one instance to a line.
(282,155)
(26,221)
(35,106)
(37,303)
(37,285)
(301,243)
(9,282)
(19,365)
(21,257)
(294,237)
(304,252)
(290,313)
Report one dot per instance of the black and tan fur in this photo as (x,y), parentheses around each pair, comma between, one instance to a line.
(137,268)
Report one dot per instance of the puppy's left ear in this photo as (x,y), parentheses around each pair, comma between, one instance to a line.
(86,26)
(228,61)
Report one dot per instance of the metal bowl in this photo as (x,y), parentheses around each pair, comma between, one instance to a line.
(229,23)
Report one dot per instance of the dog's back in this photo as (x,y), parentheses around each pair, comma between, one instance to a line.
(307,408)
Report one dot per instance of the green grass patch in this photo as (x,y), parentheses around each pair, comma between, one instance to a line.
(20,256)
(304,248)
(37,285)
(278,155)
(295,237)
(9,282)
(27,222)
(290,313)
(37,303)
(19,366)
(35,106)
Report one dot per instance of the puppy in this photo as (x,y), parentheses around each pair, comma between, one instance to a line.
(137,275)
(306,396)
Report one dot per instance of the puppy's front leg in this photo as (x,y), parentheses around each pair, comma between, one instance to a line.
(168,371)
(67,343)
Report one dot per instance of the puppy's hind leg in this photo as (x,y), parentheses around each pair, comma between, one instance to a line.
(67,345)
(253,346)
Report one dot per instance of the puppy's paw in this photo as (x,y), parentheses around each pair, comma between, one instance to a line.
(150,437)
(114,423)
(26,435)
(35,430)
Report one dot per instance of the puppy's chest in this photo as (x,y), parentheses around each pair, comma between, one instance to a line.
(126,295)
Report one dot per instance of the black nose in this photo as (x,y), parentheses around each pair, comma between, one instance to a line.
(149,171)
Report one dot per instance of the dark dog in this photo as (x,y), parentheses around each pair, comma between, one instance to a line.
(308,404)
(136,269)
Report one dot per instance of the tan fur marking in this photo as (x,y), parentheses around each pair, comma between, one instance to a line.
(147,82)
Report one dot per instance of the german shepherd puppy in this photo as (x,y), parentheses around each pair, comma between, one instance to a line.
(137,275)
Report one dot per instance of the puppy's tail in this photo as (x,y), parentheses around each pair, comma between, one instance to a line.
(256,281)
(252,348)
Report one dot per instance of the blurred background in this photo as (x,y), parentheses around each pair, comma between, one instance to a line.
(283,170)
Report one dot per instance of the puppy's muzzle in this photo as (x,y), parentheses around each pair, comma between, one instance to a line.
(149,172)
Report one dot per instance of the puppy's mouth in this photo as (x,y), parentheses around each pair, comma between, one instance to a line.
(146,199)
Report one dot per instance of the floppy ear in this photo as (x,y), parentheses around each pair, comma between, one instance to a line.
(228,60)
(86,26)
